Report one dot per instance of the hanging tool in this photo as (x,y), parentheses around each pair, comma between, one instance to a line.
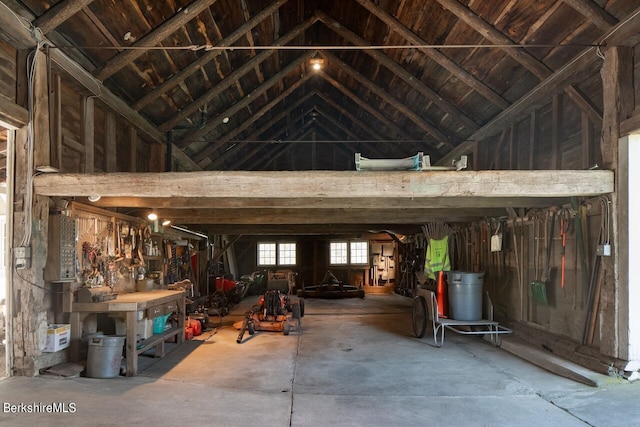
(565,216)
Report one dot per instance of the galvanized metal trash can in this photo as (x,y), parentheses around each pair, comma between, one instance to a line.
(465,295)
(104,357)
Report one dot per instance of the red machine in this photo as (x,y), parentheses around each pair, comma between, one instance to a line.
(272,314)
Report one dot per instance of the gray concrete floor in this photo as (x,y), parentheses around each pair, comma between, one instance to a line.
(355,363)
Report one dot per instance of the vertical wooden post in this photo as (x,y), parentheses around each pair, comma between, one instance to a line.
(133,149)
(556,132)
(55,123)
(88,133)
(587,142)
(534,135)
(618,97)
(513,149)
(110,150)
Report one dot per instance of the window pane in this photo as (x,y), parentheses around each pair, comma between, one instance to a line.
(359,253)
(266,254)
(338,253)
(287,253)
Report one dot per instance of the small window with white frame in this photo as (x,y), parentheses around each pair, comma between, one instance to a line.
(359,252)
(338,253)
(266,254)
(286,254)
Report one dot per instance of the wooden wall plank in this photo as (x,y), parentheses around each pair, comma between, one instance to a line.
(88,133)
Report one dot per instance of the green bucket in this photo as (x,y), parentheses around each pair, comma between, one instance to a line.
(539,292)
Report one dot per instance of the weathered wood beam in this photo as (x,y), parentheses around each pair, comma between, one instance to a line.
(59,13)
(252,156)
(328,184)
(440,137)
(320,202)
(584,65)
(12,116)
(229,80)
(557,127)
(534,137)
(254,216)
(153,38)
(218,161)
(110,143)
(587,142)
(255,94)
(308,229)
(87,132)
(205,152)
(61,63)
(209,56)
(618,100)
(435,55)
(413,81)
(365,106)
(522,56)
(597,15)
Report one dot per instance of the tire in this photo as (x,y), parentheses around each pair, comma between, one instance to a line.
(295,310)
(419,316)
(251,328)
(286,328)
(301,302)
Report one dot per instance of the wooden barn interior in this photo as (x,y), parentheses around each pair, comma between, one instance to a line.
(304,125)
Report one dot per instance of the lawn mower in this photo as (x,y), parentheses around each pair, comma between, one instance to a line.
(272,314)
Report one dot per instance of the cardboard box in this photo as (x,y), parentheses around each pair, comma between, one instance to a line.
(58,337)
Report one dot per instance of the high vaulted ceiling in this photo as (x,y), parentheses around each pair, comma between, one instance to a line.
(230,82)
(230,85)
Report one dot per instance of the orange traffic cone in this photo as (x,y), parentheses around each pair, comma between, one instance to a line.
(441,294)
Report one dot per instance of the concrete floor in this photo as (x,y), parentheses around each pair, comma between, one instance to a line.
(355,363)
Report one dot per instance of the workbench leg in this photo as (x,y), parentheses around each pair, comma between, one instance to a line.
(131,346)
(181,316)
(76,335)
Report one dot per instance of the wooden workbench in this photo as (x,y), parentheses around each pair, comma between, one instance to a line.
(153,303)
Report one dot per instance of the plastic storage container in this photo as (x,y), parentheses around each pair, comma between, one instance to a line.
(104,357)
(465,295)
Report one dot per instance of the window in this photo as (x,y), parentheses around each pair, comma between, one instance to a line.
(359,252)
(266,254)
(338,253)
(343,253)
(286,254)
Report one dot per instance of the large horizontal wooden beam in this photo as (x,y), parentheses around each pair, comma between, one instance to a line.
(12,116)
(330,184)
(362,215)
(392,203)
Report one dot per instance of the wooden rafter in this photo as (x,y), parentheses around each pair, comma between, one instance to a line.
(411,80)
(590,10)
(626,33)
(386,97)
(207,57)
(154,38)
(255,94)
(365,106)
(531,63)
(435,55)
(284,113)
(59,13)
(230,80)
(204,153)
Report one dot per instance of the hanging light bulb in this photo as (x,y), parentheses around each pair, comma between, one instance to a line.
(152,216)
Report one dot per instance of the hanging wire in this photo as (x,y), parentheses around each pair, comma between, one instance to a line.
(208,47)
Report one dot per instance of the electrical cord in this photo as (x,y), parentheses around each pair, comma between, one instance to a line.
(38,286)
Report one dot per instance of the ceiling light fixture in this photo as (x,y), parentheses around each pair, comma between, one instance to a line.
(152,216)
(94,199)
(316,63)
(166,222)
